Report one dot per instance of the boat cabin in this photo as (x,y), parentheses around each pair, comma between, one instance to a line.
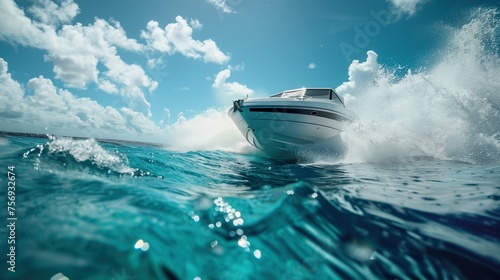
(312,93)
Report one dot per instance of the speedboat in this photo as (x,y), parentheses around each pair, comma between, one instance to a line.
(292,122)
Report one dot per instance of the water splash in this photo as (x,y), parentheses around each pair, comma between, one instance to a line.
(451,111)
(216,131)
(81,151)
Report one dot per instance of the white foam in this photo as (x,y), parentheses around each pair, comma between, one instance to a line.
(90,150)
(212,130)
(450,111)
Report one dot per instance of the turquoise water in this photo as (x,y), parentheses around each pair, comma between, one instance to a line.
(91,210)
(415,196)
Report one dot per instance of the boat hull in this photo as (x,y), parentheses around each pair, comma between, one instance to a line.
(290,130)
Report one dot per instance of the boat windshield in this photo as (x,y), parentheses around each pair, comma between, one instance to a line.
(306,93)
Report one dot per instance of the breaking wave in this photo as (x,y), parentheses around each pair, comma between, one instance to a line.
(81,153)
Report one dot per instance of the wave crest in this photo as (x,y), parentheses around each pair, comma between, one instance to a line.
(67,150)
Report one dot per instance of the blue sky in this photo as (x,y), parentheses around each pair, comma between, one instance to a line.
(139,69)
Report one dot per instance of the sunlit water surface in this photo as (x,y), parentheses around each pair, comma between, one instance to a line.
(90,210)
(415,196)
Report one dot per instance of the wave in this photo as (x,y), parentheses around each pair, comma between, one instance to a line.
(78,153)
(341,236)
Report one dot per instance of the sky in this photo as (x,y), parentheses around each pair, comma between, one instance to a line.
(152,70)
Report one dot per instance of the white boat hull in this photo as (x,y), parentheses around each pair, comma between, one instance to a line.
(288,129)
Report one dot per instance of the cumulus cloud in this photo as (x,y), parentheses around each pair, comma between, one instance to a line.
(195,24)
(48,109)
(137,121)
(11,93)
(166,117)
(361,75)
(44,108)
(408,7)
(156,63)
(229,89)
(77,51)
(50,13)
(221,5)
(84,55)
(177,38)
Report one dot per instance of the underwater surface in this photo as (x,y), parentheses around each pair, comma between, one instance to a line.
(94,210)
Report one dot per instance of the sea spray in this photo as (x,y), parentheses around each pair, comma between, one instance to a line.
(209,131)
(450,111)
(67,149)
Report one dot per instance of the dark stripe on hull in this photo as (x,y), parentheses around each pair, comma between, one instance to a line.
(317,113)
(289,121)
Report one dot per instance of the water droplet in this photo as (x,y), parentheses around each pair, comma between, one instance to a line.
(139,244)
(238,222)
(145,246)
(257,254)
(59,276)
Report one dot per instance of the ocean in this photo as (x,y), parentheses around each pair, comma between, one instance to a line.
(414,196)
(97,210)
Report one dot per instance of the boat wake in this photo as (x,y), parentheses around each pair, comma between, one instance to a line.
(451,111)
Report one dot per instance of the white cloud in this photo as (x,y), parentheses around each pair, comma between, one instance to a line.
(409,7)
(111,34)
(177,38)
(361,75)
(140,123)
(166,117)
(61,111)
(48,109)
(133,78)
(50,13)
(229,89)
(11,93)
(107,86)
(221,6)
(156,63)
(76,51)
(15,27)
(196,24)
(311,65)
(45,97)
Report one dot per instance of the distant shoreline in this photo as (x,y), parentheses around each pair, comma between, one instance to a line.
(103,140)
